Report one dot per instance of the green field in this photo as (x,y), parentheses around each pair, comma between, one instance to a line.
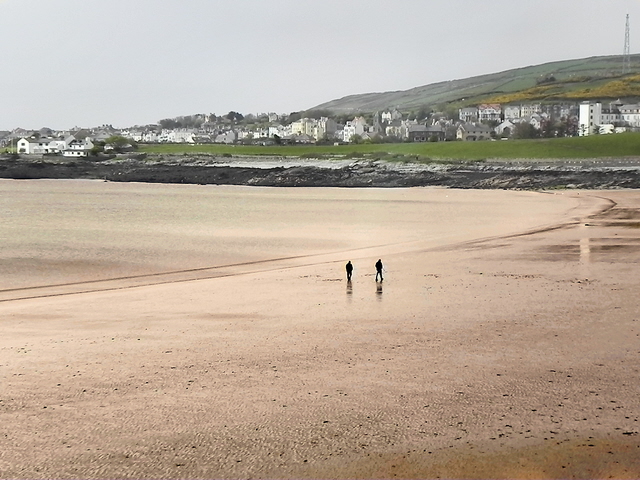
(596,146)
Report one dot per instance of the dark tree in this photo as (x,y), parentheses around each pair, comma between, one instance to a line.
(234,116)
(525,130)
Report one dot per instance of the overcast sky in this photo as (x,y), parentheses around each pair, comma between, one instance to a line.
(69,63)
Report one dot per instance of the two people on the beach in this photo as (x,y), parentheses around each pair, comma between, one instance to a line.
(349,269)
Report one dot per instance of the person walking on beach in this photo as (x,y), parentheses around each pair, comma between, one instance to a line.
(379,270)
(349,269)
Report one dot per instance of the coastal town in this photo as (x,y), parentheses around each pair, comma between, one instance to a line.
(483,122)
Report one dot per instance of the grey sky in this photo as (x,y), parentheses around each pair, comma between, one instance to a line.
(69,63)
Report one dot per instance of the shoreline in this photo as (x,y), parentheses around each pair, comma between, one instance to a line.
(588,174)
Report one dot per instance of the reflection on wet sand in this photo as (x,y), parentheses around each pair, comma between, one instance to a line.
(585,255)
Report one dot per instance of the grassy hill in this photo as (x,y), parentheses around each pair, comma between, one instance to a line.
(570,80)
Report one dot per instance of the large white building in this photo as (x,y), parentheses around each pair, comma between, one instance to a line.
(596,118)
(357,126)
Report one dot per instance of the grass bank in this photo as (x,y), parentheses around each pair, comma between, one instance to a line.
(596,146)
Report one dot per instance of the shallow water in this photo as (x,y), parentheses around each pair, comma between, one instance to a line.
(56,231)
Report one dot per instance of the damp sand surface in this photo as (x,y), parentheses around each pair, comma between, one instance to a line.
(165,331)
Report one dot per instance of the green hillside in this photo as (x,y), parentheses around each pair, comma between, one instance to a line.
(570,80)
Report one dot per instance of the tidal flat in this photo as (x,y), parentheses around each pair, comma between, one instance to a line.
(201,331)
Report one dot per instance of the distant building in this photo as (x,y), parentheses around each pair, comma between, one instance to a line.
(530,109)
(325,128)
(473,132)
(593,116)
(40,146)
(435,132)
(630,115)
(78,148)
(468,114)
(512,112)
(489,112)
(505,129)
(357,126)
(418,133)
(390,116)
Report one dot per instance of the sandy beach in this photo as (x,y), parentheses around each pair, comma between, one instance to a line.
(191,331)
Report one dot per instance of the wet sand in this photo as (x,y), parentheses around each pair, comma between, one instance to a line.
(502,343)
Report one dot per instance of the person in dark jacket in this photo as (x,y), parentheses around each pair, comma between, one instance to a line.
(349,269)
(379,269)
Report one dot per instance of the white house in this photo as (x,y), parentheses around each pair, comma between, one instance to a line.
(394,130)
(325,127)
(471,132)
(468,114)
(78,148)
(40,146)
(182,135)
(530,109)
(261,132)
(535,120)
(353,127)
(505,128)
(304,126)
(489,112)
(390,116)
(512,112)
(226,137)
(278,130)
(630,114)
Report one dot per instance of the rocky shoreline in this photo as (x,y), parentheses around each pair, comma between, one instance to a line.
(286,172)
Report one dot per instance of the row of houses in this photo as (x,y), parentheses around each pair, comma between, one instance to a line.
(306,130)
(494,112)
(70,146)
(592,117)
(482,122)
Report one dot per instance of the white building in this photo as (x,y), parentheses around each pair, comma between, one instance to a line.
(40,146)
(182,135)
(594,117)
(468,114)
(505,128)
(357,126)
(304,126)
(226,137)
(630,115)
(78,148)
(261,132)
(512,112)
(589,118)
(473,132)
(530,109)
(390,116)
(325,127)
(278,130)
(489,112)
